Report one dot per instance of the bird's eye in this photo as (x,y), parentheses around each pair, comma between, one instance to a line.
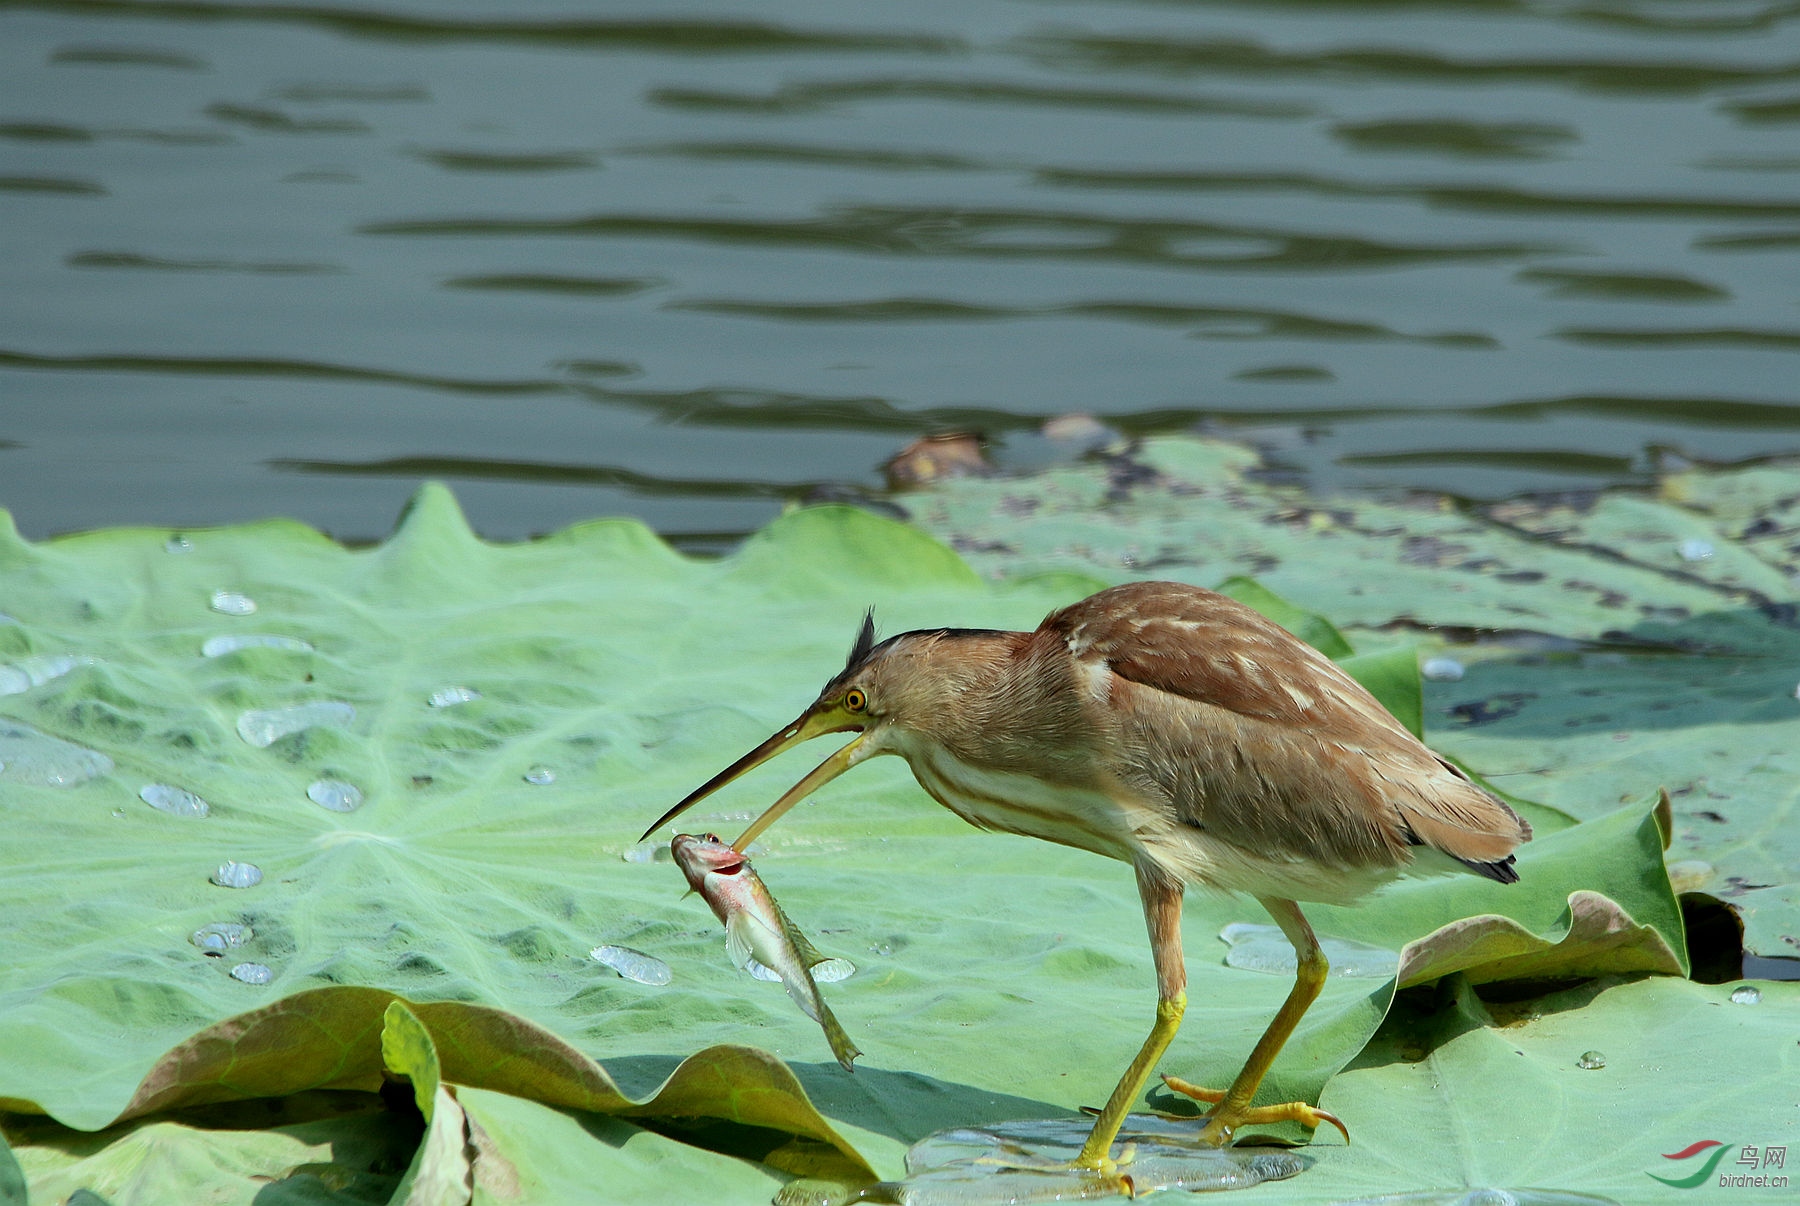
(855,700)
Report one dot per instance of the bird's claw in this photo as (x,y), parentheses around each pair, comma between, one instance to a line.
(1223,1122)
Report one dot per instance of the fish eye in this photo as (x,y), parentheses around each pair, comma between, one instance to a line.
(855,700)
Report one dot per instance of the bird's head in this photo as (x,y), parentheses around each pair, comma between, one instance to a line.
(907,683)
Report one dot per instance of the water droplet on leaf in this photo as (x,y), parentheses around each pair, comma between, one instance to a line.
(263,729)
(231,603)
(830,971)
(335,795)
(178,544)
(1746,994)
(1695,550)
(1442,670)
(542,776)
(237,875)
(633,965)
(219,646)
(221,936)
(1591,1060)
(252,973)
(648,852)
(28,756)
(35,671)
(173,800)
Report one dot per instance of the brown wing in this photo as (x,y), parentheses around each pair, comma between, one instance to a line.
(1262,740)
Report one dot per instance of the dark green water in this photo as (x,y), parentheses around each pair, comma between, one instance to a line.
(686,261)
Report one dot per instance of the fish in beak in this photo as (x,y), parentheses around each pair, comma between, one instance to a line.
(816,721)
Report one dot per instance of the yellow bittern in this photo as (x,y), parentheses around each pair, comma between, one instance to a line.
(1179,731)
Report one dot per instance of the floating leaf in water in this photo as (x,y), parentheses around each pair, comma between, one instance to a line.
(470,887)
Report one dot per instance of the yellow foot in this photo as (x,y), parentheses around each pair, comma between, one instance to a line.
(1105,1173)
(1106,1166)
(1224,1121)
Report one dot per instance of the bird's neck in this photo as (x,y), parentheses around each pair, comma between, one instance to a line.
(1010,707)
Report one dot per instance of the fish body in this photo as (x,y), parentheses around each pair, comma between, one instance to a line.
(758,934)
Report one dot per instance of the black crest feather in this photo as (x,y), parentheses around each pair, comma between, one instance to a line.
(865,640)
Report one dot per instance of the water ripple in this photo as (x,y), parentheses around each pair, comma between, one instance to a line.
(259,366)
(673,36)
(814,95)
(994,233)
(1167,56)
(515,161)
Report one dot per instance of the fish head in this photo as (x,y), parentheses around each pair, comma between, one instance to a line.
(700,855)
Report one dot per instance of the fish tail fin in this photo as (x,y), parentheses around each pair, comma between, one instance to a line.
(841,1046)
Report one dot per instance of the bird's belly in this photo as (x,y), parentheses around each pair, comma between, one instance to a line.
(1118,826)
(1023,804)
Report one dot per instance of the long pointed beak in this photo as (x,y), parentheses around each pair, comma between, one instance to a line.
(816,778)
(810,724)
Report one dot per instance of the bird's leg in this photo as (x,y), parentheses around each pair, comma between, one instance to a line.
(1162,916)
(1233,1108)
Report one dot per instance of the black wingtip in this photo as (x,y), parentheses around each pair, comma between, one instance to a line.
(1501,872)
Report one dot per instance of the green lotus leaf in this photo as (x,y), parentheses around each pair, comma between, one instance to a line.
(407,1050)
(528,1154)
(510,718)
(12,1178)
(342,1149)
(1633,640)
(1478,1093)
(440,1173)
